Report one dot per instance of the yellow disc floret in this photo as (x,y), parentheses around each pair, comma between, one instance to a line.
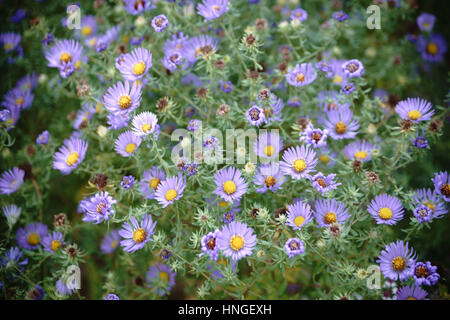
(432,48)
(330,218)
(146,128)
(340,127)
(72,158)
(34,239)
(55,245)
(385,213)
(171,194)
(139,68)
(237,242)
(130,148)
(65,57)
(299,165)
(125,102)
(398,263)
(414,114)
(229,187)
(361,155)
(139,235)
(269,150)
(298,221)
(154,183)
(164,276)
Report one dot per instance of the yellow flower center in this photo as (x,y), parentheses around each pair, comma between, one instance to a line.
(337,79)
(385,213)
(130,148)
(65,57)
(321,182)
(164,276)
(19,101)
(77,64)
(223,204)
(411,298)
(229,187)
(114,244)
(171,194)
(34,239)
(398,263)
(72,158)
(270,181)
(299,165)
(298,221)
(300,77)
(340,128)
(8,46)
(154,183)
(146,128)
(414,115)
(87,30)
(217,8)
(432,48)
(361,155)
(100,207)
(324,159)
(236,243)
(330,218)
(429,205)
(139,235)
(139,68)
(124,102)
(55,245)
(269,150)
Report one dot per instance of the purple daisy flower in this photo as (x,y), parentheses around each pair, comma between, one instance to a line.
(151,181)
(209,245)
(127,182)
(194,124)
(66,55)
(160,278)
(425,274)
(172,60)
(293,247)
(359,150)
(269,177)
(228,217)
(441,183)
(268,145)
(226,86)
(135,65)
(236,240)
(325,67)
(198,47)
(301,75)
(190,169)
(340,16)
(12,116)
(160,23)
(230,184)
(43,137)
(298,162)
(386,209)
(12,258)
(136,235)
(12,213)
(83,116)
(423,213)
(432,49)
(272,111)
(397,261)
(413,292)
(420,141)
(330,101)
(18,15)
(298,215)
(17,98)
(62,289)
(323,183)
(123,98)
(10,41)
(88,26)
(98,208)
(294,102)
(118,121)
(138,6)
(170,190)
(52,241)
(299,14)
(329,211)
(112,296)
(110,242)
(314,137)
(127,144)
(426,21)
(102,42)
(348,88)
(353,68)
(144,123)
(31,236)
(211,143)
(340,124)
(29,82)
(48,39)
(431,199)
(212,9)
(415,109)
(11,180)
(70,155)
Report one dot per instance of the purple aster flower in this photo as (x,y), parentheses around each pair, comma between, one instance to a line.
(70,155)
(48,39)
(420,141)
(269,177)
(212,9)
(423,213)
(293,247)
(272,111)
(62,288)
(226,86)
(4,115)
(88,26)
(170,190)
(12,258)
(301,75)
(432,200)
(110,242)
(160,278)
(397,261)
(151,181)
(323,183)
(425,274)
(160,23)
(330,101)
(413,292)
(83,116)
(66,55)
(198,47)
(386,209)
(98,208)
(118,121)
(127,182)
(426,21)
(171,60)
(268,145)
(236,240)
(441,183)
(359,150)
(135,65)
(176,42)
(340,16)
(123,98)
(209,245)
(37,293)
(136,235)
(12,116)
(18,15)
(299,14)
(194,124)
(17,98)
(230,184)
(294,102)
(144,123)
(12,213)
(127,143)
(314,137)
(299,162)
(31,236)
(353,68)
(298,215)
(52,241)
(228,217)
(138,6)
(112,296)
(102,42)
(190,169)
(329,211)
(11,180)
(211,143)
(340,124)
(325,67)
(348,88)
(415,109)
(10,41)
(29,82)
(432,48)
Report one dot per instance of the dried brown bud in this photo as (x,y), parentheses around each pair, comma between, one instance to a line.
(223,109)
(406,124)
(261,24)
(71,116)
(357,165)
(162,104)
(264,94)
(30,150)
(72,251)
(219,64)
(165,254)
(280,212)
(393,100)
(436,125)
(83,89)
(283,67)
(35,21)
(250,40)
(139,281)
(335,229)
(98,3)
(254,212)
(26,167)
(398,60)
(253,74)
(59,219)
(372,177)
(303,123)
(100,180)
(202,92)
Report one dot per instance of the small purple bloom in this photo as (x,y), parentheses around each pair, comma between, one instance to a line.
(323,183)
(127,182)
(425,274)
(110,242)
(136,235)
(353,68)
(11,180)
(209,245)
(160,23)
(314,137)
(32,235)
(397,261)
(301,75)
(43,138)
(293,247)
(386,209)
(236,240)
(160,278)
(441,183)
